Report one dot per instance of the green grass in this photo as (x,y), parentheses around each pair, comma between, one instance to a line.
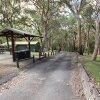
(37,53)
(94,70)
(98,58)
(48,52)
(93,67)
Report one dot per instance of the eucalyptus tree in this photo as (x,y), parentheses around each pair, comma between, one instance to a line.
(71,24)
(9,10)
(45,10)
(76,7)
(96,5)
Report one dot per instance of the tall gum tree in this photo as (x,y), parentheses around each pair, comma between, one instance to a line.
(9,9)
(96,4)
(45,9)
(76,7)
(97,39)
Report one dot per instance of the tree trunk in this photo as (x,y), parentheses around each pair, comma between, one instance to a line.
(79,36)
(50,42)
(97,39)
(88,46)
(99,50)
(44,42)
(62,45)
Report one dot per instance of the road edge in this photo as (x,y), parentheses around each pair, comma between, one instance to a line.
(89,89)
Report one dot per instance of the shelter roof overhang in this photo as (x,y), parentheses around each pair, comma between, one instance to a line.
(8,32)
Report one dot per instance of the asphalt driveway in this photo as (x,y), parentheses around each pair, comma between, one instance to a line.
(48,80)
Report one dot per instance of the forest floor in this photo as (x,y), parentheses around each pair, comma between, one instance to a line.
(56,78)
(8,70)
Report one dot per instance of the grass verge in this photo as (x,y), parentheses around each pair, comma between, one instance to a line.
(93,68)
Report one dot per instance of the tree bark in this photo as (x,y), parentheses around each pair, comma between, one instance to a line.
(97,39)
(44,42)
(88,45)
(99,50)
(79,36)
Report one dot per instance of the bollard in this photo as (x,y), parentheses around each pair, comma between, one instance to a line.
(33,59)
(76,57)
(51,53)
(39,55)
(17,63)
(48,54)
(45,55)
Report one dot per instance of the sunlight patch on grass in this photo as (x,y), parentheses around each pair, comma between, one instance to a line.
(35,53)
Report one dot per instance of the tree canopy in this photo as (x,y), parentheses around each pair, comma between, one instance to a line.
(72,25)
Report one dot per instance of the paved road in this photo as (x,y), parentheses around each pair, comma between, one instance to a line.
(49,80)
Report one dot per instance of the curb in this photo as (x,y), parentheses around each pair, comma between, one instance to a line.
(89,89)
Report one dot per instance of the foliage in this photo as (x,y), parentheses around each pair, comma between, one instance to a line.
(56,21)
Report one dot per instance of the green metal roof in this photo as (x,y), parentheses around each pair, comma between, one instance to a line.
(10,31)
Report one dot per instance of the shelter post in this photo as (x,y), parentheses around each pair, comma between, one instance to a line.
(7,43)
(13,47)
(29,45)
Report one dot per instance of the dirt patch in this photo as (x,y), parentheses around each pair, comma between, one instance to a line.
(76,81)
(77,84)
(11,83)
(7,70)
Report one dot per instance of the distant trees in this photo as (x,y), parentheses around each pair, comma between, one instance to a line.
(87,15)
(65,24)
